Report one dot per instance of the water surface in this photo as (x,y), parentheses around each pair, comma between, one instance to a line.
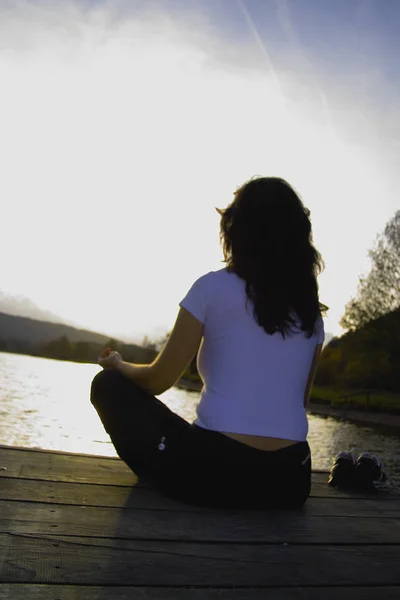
(45,404)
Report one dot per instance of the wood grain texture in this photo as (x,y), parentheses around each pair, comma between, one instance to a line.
(98,561)
(71,592)
(51,466)
(272,527)
(55,465)
(145,499)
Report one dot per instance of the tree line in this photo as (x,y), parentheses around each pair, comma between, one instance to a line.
(365,358)
(62,348)
(368,354)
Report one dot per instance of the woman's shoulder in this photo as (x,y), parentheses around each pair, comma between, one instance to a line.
(218,278)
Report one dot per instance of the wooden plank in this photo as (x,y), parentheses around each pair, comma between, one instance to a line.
(19,454)
(95,561)
(107,495)
(106,474)
(351,507)
(75,468)
(18,463)
(70,592)
(274,527)
(52,466)
(84,494)
(148,500)
(60,466)
(51,451)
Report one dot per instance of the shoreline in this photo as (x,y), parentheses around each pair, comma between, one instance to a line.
(360,417)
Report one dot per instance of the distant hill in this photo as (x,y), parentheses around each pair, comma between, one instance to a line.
(20,306)
(22,335)
(36,332)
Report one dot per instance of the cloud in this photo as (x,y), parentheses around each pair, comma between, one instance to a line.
(261,45)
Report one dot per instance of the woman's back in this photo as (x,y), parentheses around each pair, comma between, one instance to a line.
(254,383)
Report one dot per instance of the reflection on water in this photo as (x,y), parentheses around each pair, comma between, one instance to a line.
(45,404)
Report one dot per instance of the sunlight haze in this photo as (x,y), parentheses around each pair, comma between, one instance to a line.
(124,124)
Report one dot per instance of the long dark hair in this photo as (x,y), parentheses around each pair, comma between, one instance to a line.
(267,241)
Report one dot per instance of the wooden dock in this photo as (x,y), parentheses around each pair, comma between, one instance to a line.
(77,527)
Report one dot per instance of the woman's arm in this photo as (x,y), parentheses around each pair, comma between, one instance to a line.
(173,360)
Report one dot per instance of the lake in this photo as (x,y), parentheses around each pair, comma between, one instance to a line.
(45,404)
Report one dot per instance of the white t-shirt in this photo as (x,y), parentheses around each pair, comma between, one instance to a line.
(254,383)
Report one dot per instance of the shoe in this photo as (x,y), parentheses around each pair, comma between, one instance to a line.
(343,471)
(369,473)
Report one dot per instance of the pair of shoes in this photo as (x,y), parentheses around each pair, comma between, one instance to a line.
(364,473)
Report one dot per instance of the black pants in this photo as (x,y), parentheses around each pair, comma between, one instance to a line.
(193,464)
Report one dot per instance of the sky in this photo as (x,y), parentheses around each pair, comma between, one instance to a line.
(123,124)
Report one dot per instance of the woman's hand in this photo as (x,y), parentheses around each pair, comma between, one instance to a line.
(110,359)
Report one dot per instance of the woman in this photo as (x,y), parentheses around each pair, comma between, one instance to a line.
(257,325)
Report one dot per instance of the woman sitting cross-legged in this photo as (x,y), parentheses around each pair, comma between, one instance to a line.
(257,324)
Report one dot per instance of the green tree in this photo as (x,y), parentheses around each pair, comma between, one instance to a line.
(330,366)
(378,293)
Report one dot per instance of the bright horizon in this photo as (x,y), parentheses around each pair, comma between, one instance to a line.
(122,127)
